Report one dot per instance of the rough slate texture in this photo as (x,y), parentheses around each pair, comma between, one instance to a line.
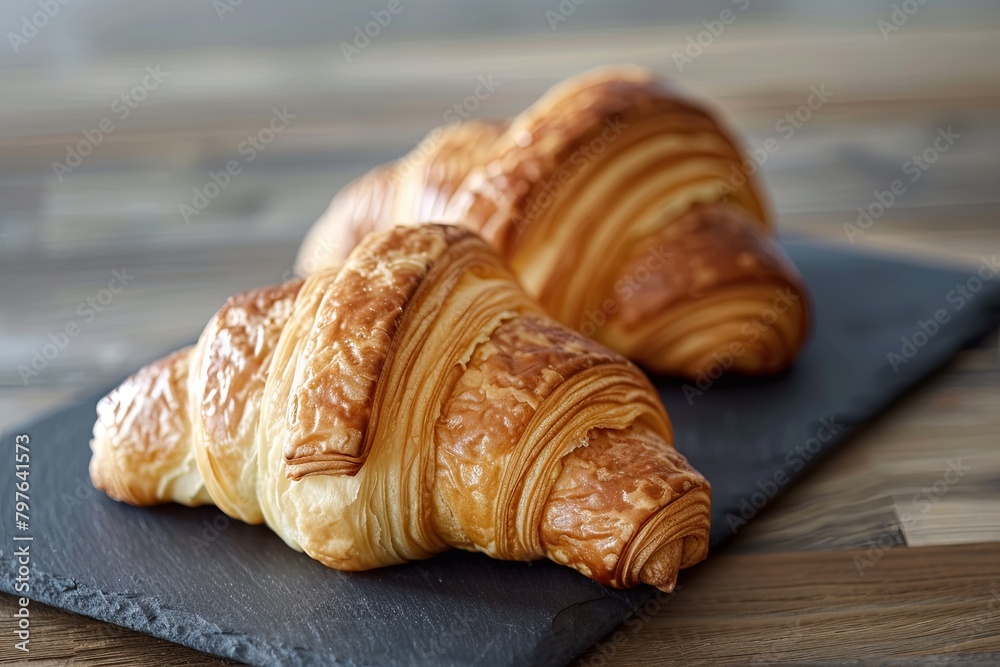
(237,591)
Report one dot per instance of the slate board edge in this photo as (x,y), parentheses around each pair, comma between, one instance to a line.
(146,615)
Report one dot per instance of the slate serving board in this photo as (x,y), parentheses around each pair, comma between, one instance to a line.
(197,578)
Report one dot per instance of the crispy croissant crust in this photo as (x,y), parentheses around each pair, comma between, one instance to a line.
(412,401)
(586,194)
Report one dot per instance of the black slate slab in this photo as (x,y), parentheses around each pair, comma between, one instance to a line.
(197,578)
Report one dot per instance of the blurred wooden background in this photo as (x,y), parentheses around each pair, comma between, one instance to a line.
(789,589)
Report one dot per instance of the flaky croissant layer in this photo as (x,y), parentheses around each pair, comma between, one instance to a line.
(411,401)
(625,209)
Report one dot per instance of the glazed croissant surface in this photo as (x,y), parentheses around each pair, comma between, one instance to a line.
(410,401)
(626,210)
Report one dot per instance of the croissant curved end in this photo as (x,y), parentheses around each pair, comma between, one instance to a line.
(141,445)
(628,508)
(720,295)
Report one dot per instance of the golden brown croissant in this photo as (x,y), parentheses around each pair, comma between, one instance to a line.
(413,400)
(624,209)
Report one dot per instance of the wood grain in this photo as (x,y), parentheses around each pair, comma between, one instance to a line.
(811,607)
(834,571)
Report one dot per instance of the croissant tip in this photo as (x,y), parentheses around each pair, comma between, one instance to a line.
(663,566)
(665,581)
(667,587)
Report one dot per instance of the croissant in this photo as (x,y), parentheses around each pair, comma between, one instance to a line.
(624,209)
(410,401)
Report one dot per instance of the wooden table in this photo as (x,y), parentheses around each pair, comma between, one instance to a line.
(831,572)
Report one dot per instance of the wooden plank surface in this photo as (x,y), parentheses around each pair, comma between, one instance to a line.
(834,571)
(790,607)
